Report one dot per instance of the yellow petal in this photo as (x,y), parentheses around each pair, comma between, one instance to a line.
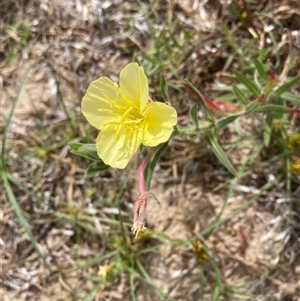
(100,103)
(158,125)
(134,85)
(114,150)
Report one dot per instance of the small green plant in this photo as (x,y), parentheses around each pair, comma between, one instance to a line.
(23,30)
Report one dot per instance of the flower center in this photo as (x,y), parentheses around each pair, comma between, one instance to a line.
(129,121)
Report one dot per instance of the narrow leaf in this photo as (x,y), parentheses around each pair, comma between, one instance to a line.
(291,97)
(221,123)
(260,69)
(219,153)
(216,294)
(285,87)
(75,145)
(88,151)
(248,83)
(194,115)
(240,96)
(271,108)
(164,89)
(251,107)
(95,168)
(267,130)
(91,295)
(200,98)
(152,163)
(22,219)
(9,119)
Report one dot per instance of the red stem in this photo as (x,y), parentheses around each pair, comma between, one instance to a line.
(141,174)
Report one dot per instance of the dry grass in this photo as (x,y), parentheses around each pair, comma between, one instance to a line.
(79,224)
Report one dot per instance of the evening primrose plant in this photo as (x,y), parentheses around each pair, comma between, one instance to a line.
(127,118)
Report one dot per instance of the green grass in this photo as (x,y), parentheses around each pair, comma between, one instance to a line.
(5,175)
(19,29)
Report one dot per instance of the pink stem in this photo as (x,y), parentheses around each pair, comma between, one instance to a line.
(141,174)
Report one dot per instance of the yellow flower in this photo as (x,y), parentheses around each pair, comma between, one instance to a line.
(197,248)
(126,116)
(294,141)
(295,167)
(104,270)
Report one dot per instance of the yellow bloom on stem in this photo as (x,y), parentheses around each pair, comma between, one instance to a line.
(126,116)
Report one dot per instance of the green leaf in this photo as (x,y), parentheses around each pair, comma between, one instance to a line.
(88,151)
(164,89)
(6,178)
(291,97)
(152,163)
(219,153)
(216,294)
(91,295)
(240,95)
(251,107)
(95,168)
(75,145)
(260,69)
(271,108)
(291,61)
(22,220)
(263,53)
(221,123)
(9,119)
(229,97)
(285,87)
(238,128)
(248,84)
(194,115)
(199,97)
(229,61)
(268,130)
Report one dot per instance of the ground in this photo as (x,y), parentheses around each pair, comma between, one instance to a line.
(213,236)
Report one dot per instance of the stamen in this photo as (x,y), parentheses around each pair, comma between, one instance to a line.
(127,101)
(136,122)
(149,109)
(125,115)
(113,102)
(112,113)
